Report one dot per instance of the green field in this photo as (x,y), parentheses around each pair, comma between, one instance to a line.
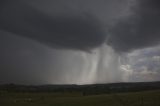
(146,98)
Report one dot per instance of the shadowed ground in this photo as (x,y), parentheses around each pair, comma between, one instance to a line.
(146,98)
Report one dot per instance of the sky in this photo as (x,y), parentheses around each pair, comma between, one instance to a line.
(79,41)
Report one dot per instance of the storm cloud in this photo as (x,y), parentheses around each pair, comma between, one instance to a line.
(68,25)
(70,30)
(43,41)
(138,30)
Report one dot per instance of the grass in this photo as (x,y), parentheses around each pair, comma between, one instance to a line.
(146,98)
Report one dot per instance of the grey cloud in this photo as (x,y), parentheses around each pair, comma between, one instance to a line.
(144,64)
(70,30)
(83,25)
(59,24)
(138,30)
(67,25)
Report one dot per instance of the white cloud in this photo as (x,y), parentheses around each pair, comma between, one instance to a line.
(141,65)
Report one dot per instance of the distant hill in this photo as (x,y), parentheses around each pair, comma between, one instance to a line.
(85,89)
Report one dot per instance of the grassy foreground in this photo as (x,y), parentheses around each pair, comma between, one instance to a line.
(146,98)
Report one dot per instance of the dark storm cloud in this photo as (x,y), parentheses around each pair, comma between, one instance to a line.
(71,27)
(67,30)
(138,30)
(75,24)
(30,30)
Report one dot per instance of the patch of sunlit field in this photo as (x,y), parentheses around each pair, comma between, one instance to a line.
(145,98)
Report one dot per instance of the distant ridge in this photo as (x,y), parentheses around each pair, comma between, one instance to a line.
(88,89)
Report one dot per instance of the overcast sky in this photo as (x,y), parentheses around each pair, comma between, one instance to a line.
(79,41)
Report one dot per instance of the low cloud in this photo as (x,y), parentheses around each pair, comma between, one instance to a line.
(138,30)
(79,30)
(142,65)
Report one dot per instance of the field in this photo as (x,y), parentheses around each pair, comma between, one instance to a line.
(145,98)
